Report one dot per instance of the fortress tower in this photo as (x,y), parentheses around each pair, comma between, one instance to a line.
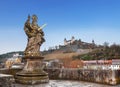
(68,42)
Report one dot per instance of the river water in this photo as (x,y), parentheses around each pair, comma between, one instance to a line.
(65,83)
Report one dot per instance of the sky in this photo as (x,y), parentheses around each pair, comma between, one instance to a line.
(88,20)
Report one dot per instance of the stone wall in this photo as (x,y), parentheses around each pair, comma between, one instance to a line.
(111,77)
(10,71)
(6,80)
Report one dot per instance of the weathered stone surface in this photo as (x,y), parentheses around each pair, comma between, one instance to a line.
(6,80)
(96,76)
(32,72)
(111,77)
(65,83)
(35,37)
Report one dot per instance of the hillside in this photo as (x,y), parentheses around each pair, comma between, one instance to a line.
(3,57)
(106,53)
(103,53)
(61,55)
(70,48)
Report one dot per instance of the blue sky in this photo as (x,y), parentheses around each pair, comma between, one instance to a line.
(83,19)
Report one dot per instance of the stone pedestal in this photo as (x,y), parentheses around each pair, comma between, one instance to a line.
(32,72)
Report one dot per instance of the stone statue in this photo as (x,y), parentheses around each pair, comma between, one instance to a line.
(35,36)
(33,72)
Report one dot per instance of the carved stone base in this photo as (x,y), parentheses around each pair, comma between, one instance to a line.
(32,72)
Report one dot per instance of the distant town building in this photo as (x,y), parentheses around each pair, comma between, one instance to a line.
(113,64)
(16,59)
(76,64)
(52,64)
